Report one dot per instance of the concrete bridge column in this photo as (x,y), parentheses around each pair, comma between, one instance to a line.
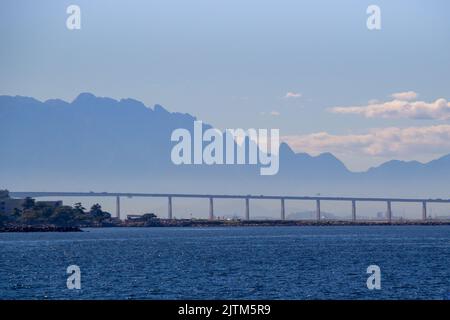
(169,214)
(118,207)
(282,209)
(389,211)
(424,210)
(247,209)
(353,210)
(318,210)
(211,209)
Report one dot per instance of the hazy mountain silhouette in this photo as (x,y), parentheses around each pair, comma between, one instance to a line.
(103,144)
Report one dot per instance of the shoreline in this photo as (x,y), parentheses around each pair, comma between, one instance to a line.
(45,228)
(282,223)
(166,223)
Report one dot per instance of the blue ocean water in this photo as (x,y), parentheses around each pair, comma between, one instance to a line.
(228,263)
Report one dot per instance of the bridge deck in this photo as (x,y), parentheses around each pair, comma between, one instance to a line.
(35,194)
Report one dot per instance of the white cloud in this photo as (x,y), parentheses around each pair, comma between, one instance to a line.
(401,108)
(405,96)
(292,95)
(384,142)
(271,113)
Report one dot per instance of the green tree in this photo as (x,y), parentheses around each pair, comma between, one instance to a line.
(28,203)
(96,208)
(3,219)
(30,216)
(16,213)
(98,214)
(64,216)
(79,207)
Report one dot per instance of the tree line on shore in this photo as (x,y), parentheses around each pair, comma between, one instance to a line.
(33,213)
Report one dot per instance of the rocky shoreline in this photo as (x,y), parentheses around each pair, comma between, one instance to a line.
(45,228)
(198,223)
(274,223)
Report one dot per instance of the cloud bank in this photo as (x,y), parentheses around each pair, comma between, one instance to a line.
(273,113)
(384,142)
(401,106)
(291,95)
(405,96)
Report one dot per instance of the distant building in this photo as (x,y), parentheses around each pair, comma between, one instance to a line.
(8,204)
(4,194)
(141,217)
(134,217)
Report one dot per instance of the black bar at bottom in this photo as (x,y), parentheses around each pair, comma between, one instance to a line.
(217,309)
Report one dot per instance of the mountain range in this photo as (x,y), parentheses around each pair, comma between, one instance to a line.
(102,144)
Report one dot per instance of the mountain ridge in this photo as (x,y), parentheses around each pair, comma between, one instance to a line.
(106,142)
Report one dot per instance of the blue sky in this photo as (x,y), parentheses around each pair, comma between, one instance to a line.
(231,63)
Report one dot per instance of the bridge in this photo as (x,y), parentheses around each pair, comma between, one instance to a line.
(170,196)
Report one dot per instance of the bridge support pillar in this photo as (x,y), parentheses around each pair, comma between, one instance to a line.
(389,211)
(169,208)
(211,209)
(117,207)
(318,210)
(283,217)
(424,211)
(353,210)
(247,209)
